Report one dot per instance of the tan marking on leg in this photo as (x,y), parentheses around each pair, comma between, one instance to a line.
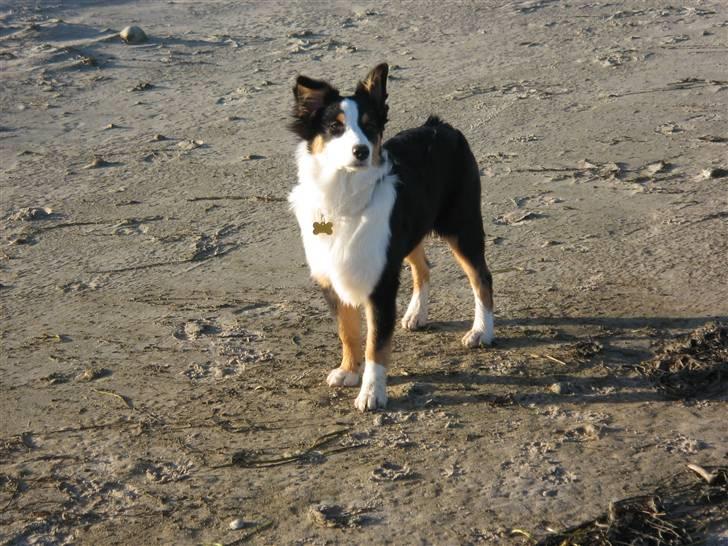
(350,334)
(317,145)
(418,262)
(349,321)
(322,281)
(483,291)
(416,315)
(373,354)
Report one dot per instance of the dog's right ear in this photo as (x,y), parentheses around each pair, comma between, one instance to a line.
(375,85)
(310,96)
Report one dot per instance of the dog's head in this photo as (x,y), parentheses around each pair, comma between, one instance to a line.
(342,132)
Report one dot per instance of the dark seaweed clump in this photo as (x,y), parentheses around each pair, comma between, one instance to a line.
(695,366)
(678,514)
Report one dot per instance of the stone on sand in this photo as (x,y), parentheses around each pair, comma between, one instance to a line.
(133,35)
(714,172)
(236,524)
(32,213)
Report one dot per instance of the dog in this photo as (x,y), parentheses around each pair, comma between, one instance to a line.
(364,207)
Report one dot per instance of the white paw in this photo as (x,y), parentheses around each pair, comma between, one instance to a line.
(414,319)
(416,315)
(338,377)
(373,393)
(477,338)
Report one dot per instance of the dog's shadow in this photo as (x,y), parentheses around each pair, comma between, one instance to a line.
(607,376)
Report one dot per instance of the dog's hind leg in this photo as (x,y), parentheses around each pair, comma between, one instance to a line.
(469,250)
(348,318)
(416,315)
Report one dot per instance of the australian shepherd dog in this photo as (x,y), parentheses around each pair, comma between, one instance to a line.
(365,205)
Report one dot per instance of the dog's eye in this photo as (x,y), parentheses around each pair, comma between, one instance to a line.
(371,127)
(336,127)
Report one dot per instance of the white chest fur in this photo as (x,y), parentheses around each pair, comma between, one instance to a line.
(359,205)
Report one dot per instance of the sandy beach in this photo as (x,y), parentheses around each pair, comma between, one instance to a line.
(163,351)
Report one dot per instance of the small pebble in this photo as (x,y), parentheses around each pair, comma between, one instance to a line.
(91,374)
(657,167)
(97,163)
(382,419)
(21,240)
(591,430)
(153,474)
(141,86)
(563,387)
(715,172)
(133,35)
(32,213)
(190,144)
(516,217)
(221,373)
(236,524)
(194,329)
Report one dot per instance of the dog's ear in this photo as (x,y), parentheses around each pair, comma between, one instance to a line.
(310,96)
(375,85)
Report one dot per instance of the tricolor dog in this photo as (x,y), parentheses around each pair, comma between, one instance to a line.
(364,206)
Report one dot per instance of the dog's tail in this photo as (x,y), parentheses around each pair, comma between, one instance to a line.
(434,121)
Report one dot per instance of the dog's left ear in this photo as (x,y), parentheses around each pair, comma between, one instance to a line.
(375,85)
(310,96)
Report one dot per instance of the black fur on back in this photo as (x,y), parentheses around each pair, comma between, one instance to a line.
(438,189)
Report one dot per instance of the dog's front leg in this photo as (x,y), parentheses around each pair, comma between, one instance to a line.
(348,319)
(381,316)
(347,375)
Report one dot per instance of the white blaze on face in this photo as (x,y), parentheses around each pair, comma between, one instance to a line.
(351,114)
(339,151)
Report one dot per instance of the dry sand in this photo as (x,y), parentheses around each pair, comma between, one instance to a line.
(164,352)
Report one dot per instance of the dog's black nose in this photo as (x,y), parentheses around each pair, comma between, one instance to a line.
(361,152)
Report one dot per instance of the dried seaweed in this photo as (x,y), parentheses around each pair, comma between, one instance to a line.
(676,514)
(694,366)
(10,485)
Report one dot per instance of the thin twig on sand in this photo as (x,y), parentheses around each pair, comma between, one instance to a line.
(244,460)
(552,358)
(193,259)
(125,399)
(266,198)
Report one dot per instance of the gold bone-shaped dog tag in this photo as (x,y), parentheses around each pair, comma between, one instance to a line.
(323,227)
